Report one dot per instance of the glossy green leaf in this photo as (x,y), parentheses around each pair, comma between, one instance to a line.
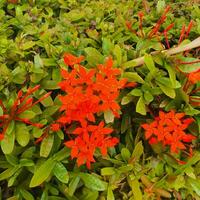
(172,74)
(22,134)
(27,114)
(148,60)
(148,97)
(8,173)
(93,182)
(191,67)
(136,92)
(93,56)
(168,91)
(118,54)
(42,172)
(26,195)
(1,111)
(110,195)
(140,107)
(125,153)
(126,100)
(7,144)
(108,171)
(195,184)
(138,151)
(73,185)
(61,172)
(133,77)
(46,145)
(135,186)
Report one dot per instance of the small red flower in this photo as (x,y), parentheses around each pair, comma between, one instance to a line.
(90,138)
(55,127)
(71,60)
(169,129)
(194,77)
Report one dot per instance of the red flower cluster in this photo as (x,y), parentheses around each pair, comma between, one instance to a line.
(90,137)
(22,103)
(89,92)
(169,129)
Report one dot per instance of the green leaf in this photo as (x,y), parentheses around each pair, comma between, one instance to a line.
(107,46)
(89,194)
(49,85)
(160,6)
(140,107)
(93,56)
(148,96)
(125,153)
(26,195)
(188,68)
(22,134)
(13,178)
(12,159)
(133,77)
(138,151)
(126,100)
(195,184)
(168,91)
(136,92)
(47,102)
(108,171)
(1,111)
(73,185)
(128,64)
(148,60)
(56,75)
(62,154)
(75,15)
(26,162)
(27,114)
(38,63)
(46,145)
(109,116)
(135,186)
(7,144)
(28,45)
(42,173)
(61,172)
(11,127)
(167,82)
(92,182)
(118,54)
(8,173)
(172,75)
(110,195)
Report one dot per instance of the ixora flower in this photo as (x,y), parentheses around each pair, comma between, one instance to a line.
(89,92)
(194,77)
(89,138)
(169,129)
(71,60)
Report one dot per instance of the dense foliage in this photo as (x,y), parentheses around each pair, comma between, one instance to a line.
(80,118)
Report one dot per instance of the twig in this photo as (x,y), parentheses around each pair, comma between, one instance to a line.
(140,61)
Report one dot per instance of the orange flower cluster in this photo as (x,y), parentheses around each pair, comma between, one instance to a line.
(169,129)
(89,92)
